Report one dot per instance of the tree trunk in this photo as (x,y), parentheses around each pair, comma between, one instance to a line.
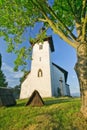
(81,70)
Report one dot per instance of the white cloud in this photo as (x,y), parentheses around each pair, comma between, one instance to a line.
(11,76)
(6,67)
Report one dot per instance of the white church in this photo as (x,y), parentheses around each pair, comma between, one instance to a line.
(46,77)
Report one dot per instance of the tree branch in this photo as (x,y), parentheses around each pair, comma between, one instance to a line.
(84,20)
(57,31)
(43,20)
(61,34)
(67,29)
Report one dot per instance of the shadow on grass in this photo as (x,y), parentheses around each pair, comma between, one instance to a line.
(48,101)
(58,101)
(21,103)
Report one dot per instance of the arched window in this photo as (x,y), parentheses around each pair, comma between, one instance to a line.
(40,73)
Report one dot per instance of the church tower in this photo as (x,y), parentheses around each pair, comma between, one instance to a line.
(40,76)
(41,67)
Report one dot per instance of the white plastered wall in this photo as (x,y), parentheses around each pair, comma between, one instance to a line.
(40,60)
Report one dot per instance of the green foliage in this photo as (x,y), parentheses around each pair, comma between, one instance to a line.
(24,76)
(57,114)
(40,37)
(62,16)
(3,82)
(22,55)
(17,87)
(67,11)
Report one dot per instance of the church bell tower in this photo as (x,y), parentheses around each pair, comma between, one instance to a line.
(39,77)
(41,67)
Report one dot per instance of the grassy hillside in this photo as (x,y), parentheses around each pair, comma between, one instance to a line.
(57,114)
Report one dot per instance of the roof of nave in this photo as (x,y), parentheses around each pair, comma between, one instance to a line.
(63,70)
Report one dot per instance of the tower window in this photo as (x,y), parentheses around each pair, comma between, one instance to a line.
(39,58)
(40,47)
(40,73)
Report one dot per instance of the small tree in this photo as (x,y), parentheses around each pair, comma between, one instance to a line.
(3,82)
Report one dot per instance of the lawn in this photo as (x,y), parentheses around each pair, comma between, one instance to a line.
(57,114)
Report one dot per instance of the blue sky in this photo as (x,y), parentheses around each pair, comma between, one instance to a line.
(64,56)
(8,64)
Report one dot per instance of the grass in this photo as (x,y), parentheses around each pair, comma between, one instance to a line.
(56,114)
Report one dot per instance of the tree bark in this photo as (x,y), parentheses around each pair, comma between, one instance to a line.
(81,71)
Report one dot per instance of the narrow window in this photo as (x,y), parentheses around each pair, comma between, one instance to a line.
(40,73)
(39,58)
(40,47)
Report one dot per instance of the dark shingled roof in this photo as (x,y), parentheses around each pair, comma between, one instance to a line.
(61,69)
(6,97)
